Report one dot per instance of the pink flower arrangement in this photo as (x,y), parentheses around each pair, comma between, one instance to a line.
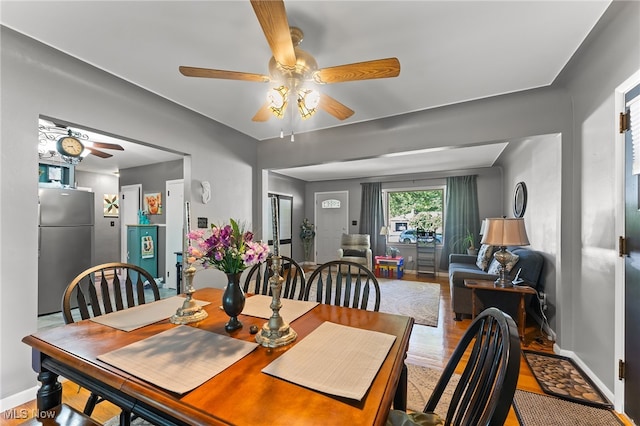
(228,248)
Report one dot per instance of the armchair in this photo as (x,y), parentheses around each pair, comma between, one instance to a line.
(356,248)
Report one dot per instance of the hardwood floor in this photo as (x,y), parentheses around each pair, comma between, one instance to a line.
(429,346)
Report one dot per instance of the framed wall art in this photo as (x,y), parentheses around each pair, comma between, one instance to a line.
(153,203)
(110,205)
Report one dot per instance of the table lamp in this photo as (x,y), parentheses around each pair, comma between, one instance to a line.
(503,232)
(483,226)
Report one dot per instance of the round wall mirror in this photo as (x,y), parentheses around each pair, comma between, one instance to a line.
(520,199)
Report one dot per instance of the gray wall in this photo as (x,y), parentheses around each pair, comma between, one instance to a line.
(536,162)
(609,56)
(37,80)
(106,237)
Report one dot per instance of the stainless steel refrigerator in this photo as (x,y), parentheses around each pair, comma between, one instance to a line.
(65,242)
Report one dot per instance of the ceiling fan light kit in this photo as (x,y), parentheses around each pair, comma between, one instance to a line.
(292,70)
(278,98)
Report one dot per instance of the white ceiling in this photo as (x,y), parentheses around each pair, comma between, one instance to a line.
(449,51)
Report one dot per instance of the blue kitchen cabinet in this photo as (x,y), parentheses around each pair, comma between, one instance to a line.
(142,247)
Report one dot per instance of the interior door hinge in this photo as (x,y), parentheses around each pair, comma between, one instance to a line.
(622,246)
(620,369)
(624,122)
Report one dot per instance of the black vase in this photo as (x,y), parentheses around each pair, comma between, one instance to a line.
(233,301)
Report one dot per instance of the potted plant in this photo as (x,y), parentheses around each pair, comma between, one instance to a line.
(307,234)
(467,242)
(470,244)
(392,252)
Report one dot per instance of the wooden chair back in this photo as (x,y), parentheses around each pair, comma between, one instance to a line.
(107,288)
(487,385)
(257,280)
(344,283)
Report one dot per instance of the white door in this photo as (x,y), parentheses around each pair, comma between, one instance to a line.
(174,209)
(130,204)
(332,220)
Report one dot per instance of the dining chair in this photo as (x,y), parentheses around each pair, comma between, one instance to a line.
(103,289)
(488,382)
(344,283)
(107,288)
(293,286)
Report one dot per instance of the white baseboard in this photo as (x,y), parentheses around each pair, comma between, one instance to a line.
(570,354)
(18,399)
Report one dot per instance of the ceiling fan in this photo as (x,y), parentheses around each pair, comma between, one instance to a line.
(71,144)
(293,71)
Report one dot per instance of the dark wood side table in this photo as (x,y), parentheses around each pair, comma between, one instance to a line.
(489,285)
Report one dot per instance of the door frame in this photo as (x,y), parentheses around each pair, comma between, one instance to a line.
(123,222)
(619,325)
(172,223)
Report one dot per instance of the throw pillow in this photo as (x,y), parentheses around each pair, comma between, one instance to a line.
(354,253)
(484,256)
(494,268)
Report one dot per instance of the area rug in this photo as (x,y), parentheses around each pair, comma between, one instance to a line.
(560,376)
(420,384)
(411,298)
(414,299)
(534,409)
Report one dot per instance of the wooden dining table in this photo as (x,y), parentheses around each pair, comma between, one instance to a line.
(241,394)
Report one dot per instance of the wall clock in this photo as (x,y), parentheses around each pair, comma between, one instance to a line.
(519,199)
(68,145)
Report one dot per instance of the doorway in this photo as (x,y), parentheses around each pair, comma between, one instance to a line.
(332,220)
(130,205)
(175,234)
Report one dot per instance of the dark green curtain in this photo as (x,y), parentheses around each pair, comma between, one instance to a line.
(372,216)
(461,216)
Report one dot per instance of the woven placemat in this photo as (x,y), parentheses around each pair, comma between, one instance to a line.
(534,409)
(560,376)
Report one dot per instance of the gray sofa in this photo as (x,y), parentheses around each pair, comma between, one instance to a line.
(463,266)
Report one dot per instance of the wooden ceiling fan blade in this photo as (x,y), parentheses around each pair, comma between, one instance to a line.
(106,145)
(379,68)
(98,153)
(273,20)
(263,114)
(227,75)
(335,108)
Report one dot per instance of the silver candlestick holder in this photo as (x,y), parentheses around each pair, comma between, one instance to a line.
(276,332)
(190,311)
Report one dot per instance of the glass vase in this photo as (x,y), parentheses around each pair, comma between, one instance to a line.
(233,301)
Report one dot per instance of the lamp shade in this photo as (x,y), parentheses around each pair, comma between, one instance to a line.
(504,232)
(483,226)
(384,231)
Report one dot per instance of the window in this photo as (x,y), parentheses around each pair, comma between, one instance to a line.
(408,211)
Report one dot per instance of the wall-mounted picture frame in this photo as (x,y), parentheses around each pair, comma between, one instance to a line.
(519,199)
(153,203)
(110,204)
